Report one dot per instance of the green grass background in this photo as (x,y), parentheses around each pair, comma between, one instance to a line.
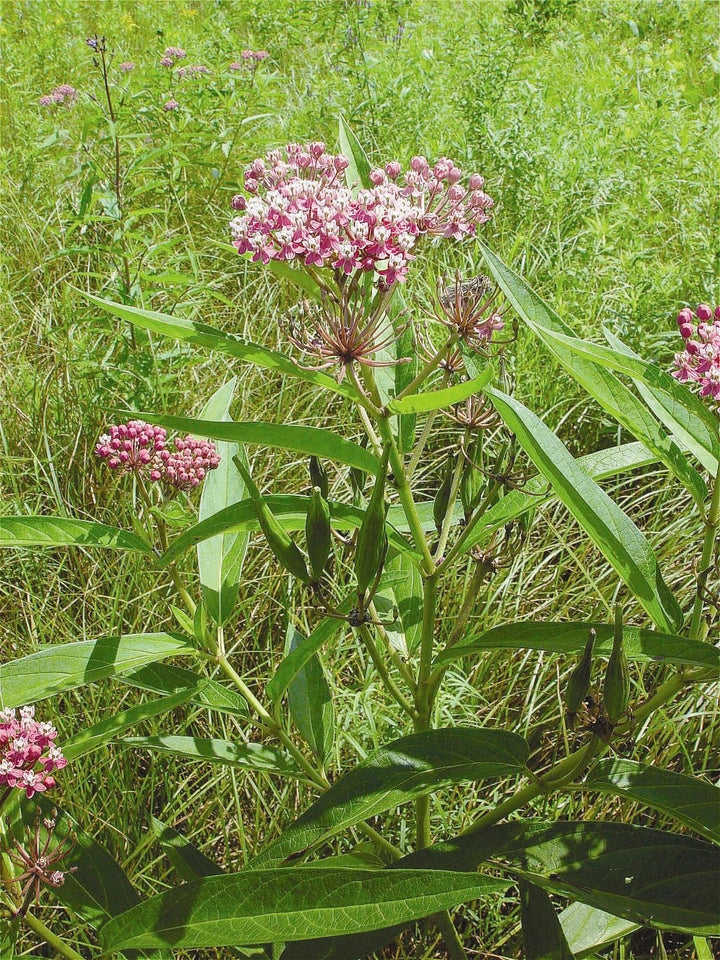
(595,124)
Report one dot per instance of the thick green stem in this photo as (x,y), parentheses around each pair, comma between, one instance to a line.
(698,631)
(431,365)
(384,674)
(49,937)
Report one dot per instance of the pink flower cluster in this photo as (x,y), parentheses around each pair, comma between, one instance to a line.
(299,208)
(126,66)
(257,55)
(171,105)
(171,55)
(194,70)
(138,447)
(27,752)
(699,362)
(62,94)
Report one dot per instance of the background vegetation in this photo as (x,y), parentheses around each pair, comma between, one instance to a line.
(595,125)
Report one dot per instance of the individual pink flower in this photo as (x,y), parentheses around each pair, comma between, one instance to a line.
(699,363)
(126,66)
(28,754)
(171,105)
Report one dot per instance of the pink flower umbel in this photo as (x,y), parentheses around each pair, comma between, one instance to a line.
(172,54)
(28,754)
(58,95)
(126,66)
(171,105)
(194,70)
(188,464)
(699,362)
(297,207)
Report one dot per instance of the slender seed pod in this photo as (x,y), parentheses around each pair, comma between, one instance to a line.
(616,688)
(442,497)
(371,545)
(317,533)
(472,481)
(318,476)
(579,682)
(358,477)
(287,552)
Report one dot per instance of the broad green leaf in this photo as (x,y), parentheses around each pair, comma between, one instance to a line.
(686,420)
(71,665)
(292,903)
(692,802)
(203,692)
(657,879)
(612,531)
(400,771)
(357,175)
(189,862)
(588,929)
(285,271)
(408,593)
(543,936)
(289,509)
(310,701)
(202,335)
(220,559)
(246,756)
(425,402)
(306,440)
(599,382)
(91,738)
(99,889)
(67,532)
(570,638)
(303,652)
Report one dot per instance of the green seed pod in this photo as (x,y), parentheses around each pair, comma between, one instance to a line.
(472,482)
(616,688)
(371,545)
(318,477)
(277,537)
(317,533)
(579,682)
(442,497)
(358,478)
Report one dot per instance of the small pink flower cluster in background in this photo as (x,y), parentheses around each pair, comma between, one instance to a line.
(171,105)
(300,208)
(699,362)
(126,66)
(27,752)
(62,94)
(194,70)
(138,447)
(171,55)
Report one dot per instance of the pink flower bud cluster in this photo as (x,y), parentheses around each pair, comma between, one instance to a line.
(699,362)
(171,55)
(194,70)
(141,448)
(62,94)
(28,754)
(299,208)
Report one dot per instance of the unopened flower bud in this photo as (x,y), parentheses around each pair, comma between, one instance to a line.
(579,682)
(616,687)
(372,543)
(317,533)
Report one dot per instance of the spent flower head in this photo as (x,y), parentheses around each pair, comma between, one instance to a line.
(699,362)
(38,859)
(28,754)
(467,308)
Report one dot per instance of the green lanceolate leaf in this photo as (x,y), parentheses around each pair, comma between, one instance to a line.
(202,691)
(570,639)
(400,771)
(220,559)
(246,756)
(588,929)
(657,879)
(285,271)
(694,803)
(66,532)
(310,702)
(202,335)
(613,532)
(72,665)
(291,512)
(302,652)
(599,382)
(543,936)
(305,440)
(260,906)
(425,402)
(357,175)
(189,862)
(408,593)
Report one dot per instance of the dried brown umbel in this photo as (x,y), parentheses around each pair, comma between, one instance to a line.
(466,308)
(38,860)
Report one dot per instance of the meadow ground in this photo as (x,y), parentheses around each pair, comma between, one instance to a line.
(595,124)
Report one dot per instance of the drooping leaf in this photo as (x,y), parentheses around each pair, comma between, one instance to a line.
(543,936)
(613,532)
(407,768)
(357,174)
(407,590)
(55,669)
(202,335)
(303,652)
(258,906)
(446,397)
(67,532)
(189,862)
(588,929)
(310,701)
(692,802)
(220,559)
(203,692)
(569,638)
(246,756)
